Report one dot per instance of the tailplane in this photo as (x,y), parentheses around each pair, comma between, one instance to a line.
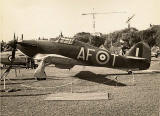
(141,50)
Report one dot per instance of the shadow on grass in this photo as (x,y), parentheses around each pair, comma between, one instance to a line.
(98,78)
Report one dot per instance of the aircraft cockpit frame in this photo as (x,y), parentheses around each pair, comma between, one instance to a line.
(66,40)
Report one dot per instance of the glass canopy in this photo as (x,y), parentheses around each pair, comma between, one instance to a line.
(65,40)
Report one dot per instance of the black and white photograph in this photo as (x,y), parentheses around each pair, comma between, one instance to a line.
(80,57)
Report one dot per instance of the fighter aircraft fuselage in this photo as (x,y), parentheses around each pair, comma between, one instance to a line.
(83,52)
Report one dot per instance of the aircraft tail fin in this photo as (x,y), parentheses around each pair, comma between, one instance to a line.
(142,50)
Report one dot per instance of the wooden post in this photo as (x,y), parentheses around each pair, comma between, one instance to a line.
(4,80)
(15,72)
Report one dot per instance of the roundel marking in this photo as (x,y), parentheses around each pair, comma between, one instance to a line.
(10,58)
(102,57)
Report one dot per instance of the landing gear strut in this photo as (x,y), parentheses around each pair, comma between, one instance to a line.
(4,77)
(116,78)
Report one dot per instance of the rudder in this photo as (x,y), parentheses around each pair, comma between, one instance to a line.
(142,50)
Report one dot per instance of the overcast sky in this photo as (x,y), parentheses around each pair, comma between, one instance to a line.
(47,18)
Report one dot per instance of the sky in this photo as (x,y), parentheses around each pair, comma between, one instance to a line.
(47,18)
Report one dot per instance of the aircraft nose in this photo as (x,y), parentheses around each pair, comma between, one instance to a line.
(11,43)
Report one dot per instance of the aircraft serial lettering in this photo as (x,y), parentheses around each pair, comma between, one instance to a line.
(102,57)
(82,56)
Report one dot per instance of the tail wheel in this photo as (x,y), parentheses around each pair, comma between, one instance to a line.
(130,72)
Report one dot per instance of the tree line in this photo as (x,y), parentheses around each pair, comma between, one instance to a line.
(130,36)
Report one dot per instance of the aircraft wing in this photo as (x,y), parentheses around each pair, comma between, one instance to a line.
(58,60)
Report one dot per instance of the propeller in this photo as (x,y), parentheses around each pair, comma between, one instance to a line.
(22,37)
(14,48)
(13,44)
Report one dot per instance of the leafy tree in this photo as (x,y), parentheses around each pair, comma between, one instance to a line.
(83,36)
(89,38)
(130,36)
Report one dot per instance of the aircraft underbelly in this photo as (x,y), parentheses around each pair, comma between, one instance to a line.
(62,61)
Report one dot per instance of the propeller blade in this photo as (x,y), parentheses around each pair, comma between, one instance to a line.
(6,72)
(14,36)
(14,49)
(12,59)
(22,37)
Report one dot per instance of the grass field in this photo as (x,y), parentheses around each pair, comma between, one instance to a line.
(127,99)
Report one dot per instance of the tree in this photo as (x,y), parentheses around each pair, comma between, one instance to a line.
(94,40)
(83,36)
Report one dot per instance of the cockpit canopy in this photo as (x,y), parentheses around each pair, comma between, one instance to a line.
(65,40)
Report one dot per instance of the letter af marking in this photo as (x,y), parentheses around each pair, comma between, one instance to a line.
(88,53)
(82,56)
